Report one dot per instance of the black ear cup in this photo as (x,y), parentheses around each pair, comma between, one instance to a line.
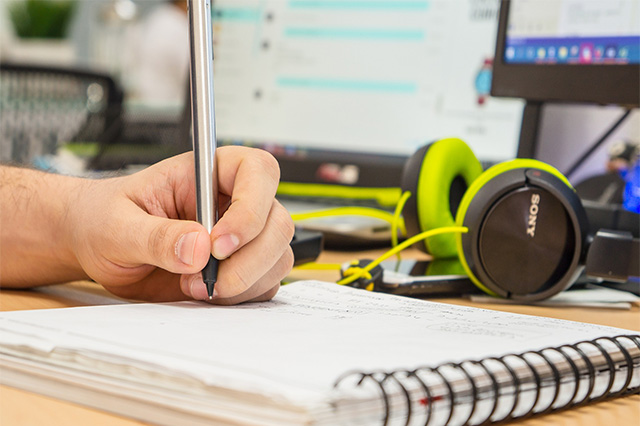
(437,176)
(410,179)
(527,230)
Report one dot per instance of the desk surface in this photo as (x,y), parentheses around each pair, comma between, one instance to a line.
(23,408)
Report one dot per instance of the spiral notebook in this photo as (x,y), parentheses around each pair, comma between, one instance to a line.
(317,354)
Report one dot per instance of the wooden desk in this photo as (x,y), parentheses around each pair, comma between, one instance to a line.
(23,408)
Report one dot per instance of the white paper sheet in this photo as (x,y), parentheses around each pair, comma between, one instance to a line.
(291,349)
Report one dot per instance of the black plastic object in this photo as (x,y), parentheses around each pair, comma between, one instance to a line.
(617,267)
(373,277)
(306,245)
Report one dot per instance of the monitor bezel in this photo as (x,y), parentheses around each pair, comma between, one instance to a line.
(594,83)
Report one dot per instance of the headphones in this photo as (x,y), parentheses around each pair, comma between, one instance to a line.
(528,232)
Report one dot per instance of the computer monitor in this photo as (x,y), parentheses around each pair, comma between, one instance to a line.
(567,51)
(343,91)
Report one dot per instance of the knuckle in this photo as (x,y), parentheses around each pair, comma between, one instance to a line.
(268,164)
(270,294)
(239,281)
(253,218)
(282,220)
(285,264)
(251,224)
(159,243)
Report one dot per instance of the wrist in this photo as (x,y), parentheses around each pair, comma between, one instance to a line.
(69,216)
(35,228)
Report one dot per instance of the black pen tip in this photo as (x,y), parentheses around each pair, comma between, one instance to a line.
(210,275)
(210,285)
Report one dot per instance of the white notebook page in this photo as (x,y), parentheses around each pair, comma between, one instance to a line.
(292,348)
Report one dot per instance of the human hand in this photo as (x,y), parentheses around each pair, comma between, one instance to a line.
(137,235)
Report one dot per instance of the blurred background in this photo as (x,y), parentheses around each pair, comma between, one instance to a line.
(114,72)
(133,57)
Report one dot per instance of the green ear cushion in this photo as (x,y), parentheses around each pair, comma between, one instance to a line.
(451,266)
(445,160)
(472,192)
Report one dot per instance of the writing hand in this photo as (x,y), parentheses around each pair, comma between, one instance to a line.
(137,235)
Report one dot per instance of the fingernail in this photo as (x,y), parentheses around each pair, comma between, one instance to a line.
(198,289)
(186,247)
(224,245)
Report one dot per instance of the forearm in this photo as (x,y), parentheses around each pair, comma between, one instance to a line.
(35,224)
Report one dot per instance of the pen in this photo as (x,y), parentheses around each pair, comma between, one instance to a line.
(203,125)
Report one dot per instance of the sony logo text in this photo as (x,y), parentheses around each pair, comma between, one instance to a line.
(533,215)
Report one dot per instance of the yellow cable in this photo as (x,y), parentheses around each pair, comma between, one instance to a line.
(320,266)
(352,211)
(396,219)
(397,249)
(387,197)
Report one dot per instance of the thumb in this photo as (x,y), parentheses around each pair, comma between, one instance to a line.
(178,246)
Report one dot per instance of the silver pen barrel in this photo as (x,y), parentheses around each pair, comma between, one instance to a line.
(203,125)
(203,111)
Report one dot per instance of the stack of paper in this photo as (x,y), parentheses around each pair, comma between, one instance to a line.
(276,363)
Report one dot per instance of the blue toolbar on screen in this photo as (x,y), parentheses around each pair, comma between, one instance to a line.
(574,50)
(573,32)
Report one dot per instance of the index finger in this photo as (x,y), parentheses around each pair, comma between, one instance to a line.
(250,177)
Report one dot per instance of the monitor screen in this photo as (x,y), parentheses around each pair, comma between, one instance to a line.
(569,50)
(359,80)
(573,32)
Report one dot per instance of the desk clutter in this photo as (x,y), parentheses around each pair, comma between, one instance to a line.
(518,230)
(317,353)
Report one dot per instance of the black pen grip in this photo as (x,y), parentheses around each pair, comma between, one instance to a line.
(210,274)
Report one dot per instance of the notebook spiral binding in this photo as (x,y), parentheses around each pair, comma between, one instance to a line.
(581,367)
